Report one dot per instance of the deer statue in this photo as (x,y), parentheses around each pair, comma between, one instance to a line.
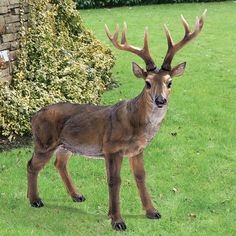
(109,132)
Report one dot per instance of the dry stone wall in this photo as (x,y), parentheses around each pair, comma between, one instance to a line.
(12,13)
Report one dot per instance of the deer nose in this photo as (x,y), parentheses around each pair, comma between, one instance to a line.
(160,101)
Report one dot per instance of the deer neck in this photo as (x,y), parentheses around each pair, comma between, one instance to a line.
(143,109)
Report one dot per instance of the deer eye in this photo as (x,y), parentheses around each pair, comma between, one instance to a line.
(169,84)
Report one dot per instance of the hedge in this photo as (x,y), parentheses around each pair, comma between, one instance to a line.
(59,60)
(81,4)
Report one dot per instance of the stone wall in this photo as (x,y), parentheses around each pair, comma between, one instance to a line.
(12,13)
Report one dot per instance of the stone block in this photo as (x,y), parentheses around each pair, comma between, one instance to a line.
(14,6)
(14,1)
(4,3)
(2,20)
(2,25)
(13,55)
(14,45)
(4,72)
(13,27)
(12,18)
(7,78)
(8,37)
(2,28)
(4,55)
(4,46)
(3,10)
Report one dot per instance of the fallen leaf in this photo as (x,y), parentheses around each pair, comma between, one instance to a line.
(175,190)
(192,215)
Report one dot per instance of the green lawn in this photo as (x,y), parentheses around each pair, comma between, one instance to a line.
(194,152)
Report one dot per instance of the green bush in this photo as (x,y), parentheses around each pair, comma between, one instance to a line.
(59,60)
(116,3)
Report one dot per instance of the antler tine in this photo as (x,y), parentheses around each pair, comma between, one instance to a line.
(186,26)
(123,39)
(201,21)
(143,53)
(168,37)
(115,37)
(173,48)
(145,45)
(109,35)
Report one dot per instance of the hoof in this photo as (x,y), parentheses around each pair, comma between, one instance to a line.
(38,203)
(119,226)
(153,215)
(78,199)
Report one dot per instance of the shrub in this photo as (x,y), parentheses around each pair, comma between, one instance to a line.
(116,3)
(59,60)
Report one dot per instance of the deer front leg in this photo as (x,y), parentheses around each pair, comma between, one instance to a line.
(136,163)
(113,166)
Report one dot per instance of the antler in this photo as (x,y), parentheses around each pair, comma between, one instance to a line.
(173,48)
(143,53)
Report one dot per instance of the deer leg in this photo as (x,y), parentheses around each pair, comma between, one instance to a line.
(113,166)
(136,163)
(35,164)
(62,157)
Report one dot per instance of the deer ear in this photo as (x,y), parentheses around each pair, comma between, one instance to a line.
(178,70)
(138,71)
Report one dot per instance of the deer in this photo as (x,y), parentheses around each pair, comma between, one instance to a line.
(109,132)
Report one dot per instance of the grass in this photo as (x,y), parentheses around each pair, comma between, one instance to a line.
(194,151)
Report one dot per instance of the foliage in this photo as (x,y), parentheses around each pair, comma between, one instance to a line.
(115,3)
(59,60)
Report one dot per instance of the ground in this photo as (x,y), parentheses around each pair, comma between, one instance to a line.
(190,165)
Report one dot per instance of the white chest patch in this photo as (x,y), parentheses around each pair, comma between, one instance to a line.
(155,121)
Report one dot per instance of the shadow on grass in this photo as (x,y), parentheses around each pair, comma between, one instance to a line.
(55,218)
(81,212)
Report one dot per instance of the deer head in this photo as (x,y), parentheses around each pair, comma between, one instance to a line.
(157,81)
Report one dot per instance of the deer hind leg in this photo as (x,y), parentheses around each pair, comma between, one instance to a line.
(136,163)
(62,157)
(35,164)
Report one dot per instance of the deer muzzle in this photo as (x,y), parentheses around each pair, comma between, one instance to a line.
(160,101)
